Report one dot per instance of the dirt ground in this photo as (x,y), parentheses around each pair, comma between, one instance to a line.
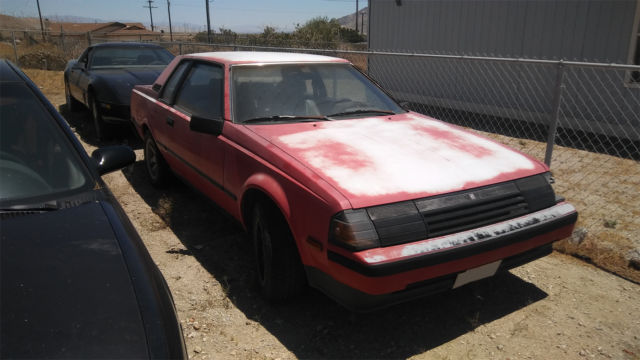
(557,307)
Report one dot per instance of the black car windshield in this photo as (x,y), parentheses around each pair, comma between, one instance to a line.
(36,158)
(128,56)
(298,92)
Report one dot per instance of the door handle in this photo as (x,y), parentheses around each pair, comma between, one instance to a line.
(170,121)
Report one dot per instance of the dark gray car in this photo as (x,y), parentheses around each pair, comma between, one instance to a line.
(102,78)
(76,281)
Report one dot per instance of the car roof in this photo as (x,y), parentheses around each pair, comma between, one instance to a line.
(7,72)
(254,57)
(125,44)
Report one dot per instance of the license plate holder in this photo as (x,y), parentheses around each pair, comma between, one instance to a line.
(480,272)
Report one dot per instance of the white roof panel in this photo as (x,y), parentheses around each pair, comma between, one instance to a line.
(265,57)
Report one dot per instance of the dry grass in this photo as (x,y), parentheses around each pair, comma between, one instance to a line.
(606,191)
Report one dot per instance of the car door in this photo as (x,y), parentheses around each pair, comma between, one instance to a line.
(162,117)
(77,73)
(200,93)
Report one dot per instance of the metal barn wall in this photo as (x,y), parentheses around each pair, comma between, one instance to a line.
(580,30)
(593,31)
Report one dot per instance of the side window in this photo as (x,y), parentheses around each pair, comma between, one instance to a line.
(84,58)
(171,85)
(201,92)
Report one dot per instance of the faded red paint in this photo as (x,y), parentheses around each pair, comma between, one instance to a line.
(276,160)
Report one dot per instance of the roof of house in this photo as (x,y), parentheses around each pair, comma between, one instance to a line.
(108,28)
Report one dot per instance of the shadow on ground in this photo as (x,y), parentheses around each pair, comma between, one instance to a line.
(313,326)
(81,122)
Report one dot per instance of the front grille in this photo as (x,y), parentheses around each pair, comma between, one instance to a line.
(475,214)
(502,203)
(431,217)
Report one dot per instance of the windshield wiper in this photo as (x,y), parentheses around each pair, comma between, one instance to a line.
(45,206)
(363,111)
(285,117)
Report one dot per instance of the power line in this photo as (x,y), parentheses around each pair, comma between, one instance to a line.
(206,2)
(169,11)
(356,16)
(150,14)
(40,15)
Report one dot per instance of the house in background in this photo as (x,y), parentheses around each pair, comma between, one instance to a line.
(111,31)
(604,101)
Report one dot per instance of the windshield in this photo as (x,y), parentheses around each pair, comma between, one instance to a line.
(129,56)
(36,159)
(291,93)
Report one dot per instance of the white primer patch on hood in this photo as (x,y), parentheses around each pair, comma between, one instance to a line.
(376,156)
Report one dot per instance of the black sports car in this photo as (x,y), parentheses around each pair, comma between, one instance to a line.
(75,278)
(103,76)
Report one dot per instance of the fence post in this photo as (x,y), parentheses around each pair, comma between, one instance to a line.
(553,121)
(180,48)
(89,37)
(15,47)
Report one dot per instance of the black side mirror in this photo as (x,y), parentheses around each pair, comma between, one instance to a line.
(112,158)
(205,125)
(78,66)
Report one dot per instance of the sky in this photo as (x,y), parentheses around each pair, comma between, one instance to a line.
(237,15)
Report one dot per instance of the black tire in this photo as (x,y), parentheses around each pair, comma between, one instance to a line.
(96,116)
(279,269)
(157,168)
(73,105)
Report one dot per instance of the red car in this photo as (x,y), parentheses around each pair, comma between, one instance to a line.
(337,184)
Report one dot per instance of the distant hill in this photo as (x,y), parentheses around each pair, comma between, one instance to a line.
(349,21)
(78,19)
(15,23)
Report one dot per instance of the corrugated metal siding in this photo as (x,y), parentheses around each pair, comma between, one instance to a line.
(596,30)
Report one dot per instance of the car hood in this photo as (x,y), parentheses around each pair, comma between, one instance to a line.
(66,291)
(387,159)
(115,85)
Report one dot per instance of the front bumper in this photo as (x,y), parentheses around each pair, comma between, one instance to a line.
(378,277)
(115,113)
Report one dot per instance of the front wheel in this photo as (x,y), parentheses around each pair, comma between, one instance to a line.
(98,121)
(157,168)
(73,105)
(280,272)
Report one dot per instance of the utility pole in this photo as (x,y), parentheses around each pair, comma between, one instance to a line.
(150,13)
(40,15)
(356,16)
(169,11)
(206,2)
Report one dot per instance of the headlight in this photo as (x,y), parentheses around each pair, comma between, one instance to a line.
(354,230)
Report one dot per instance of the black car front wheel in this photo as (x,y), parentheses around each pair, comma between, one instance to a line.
(96,116)
(280,272)
(73,105)
(157,168)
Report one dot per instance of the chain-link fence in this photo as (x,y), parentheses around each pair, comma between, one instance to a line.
(581,118)
(52,50)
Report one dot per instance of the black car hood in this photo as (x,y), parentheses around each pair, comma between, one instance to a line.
(114,85)
(65,288)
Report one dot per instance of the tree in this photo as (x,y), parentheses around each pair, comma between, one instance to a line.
(228,36)
(351,35)
(319,32)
